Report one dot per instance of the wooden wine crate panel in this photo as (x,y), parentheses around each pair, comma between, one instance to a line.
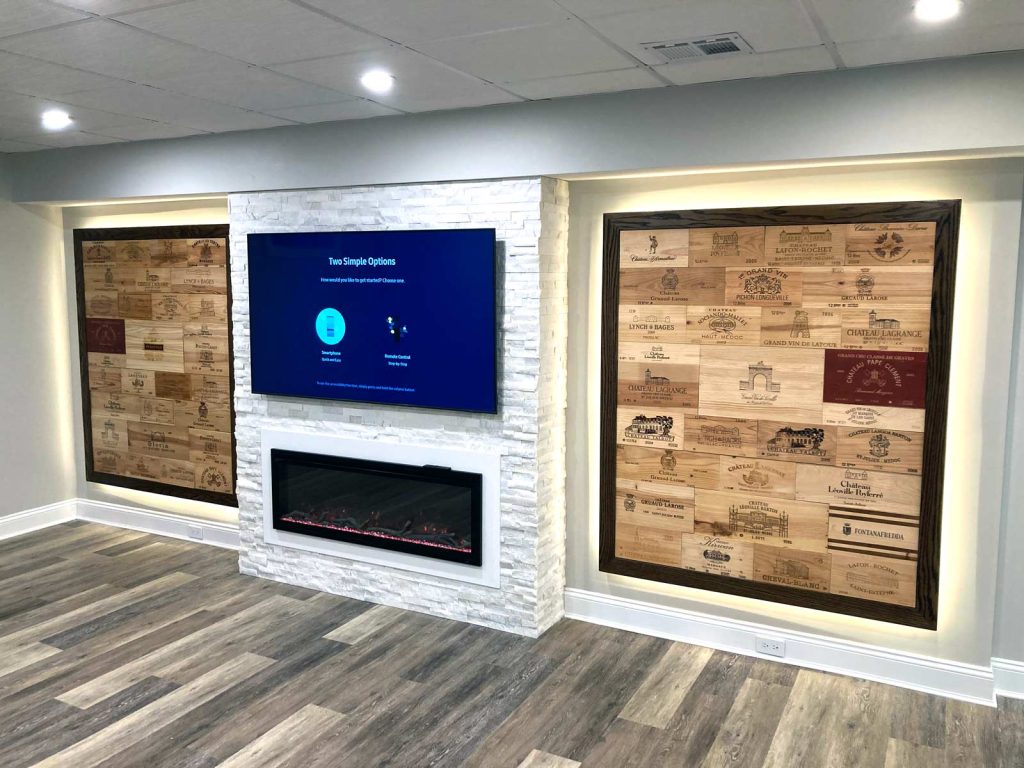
(671,285)
(872,533)
(171,252)
(893,328)
(658,375)
(103,379)
(157,411)
(900,243)
(875,378)
(852,287)
(208,280)
(860,489)
(205,444)
(739,326)
(843,415)
(648,323)
(210,309)
(136,382)
(658,247)
(764,287)
(109,433)
(207,251)
(105,360)
(884,450)
(717,555)
(727,247)
(173,386)
(143,279)
(199,414)
(207,349)
(97,251)
(159,440)
(655,465)
(815,245)
(214,475)
(648,545)
(659,428)
(762,519)
(132,253)
(730,437)
(170,307)
(101,303)
(116,404)
(155,346)
(108,461)
(105,335)
(797,442)
(882,579)
(769,382)
(805,327)
(157,470)
(655,505)
(101,277)
(786,567)
(760,476)
(135,306)
(211,389)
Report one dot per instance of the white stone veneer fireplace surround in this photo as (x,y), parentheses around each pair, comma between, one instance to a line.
(521,584)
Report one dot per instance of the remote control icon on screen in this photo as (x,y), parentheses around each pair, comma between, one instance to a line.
(397,328)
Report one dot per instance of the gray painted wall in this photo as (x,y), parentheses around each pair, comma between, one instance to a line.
(971,104)
(36,464)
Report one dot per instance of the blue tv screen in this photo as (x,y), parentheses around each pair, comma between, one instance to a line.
(396,318)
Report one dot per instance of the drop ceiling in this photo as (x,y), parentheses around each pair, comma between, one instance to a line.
(130,70)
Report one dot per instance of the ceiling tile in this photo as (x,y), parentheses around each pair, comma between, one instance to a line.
(595,82)
(149,129)
(590,8)
(420,84)
(555,50)
(27,111)
(344,110)
(155,104)
(10,145)
(67,139)
(768,25)
(407,21)
(256,31)
(250,88)
(41,78)
(738,66)
(112,7)
(113,49)
(874,19)
(26,15)
(951,41)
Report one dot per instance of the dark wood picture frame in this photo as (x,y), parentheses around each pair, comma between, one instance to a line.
(946,216)
(92,475)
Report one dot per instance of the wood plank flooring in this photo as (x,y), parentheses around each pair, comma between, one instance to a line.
(120,649)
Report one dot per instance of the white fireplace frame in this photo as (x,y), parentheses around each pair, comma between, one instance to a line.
(485,462)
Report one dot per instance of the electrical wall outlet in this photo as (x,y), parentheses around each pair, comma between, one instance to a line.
(770,647)
(195,532)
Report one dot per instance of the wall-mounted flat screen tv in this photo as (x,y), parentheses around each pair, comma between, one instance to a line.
(396,317)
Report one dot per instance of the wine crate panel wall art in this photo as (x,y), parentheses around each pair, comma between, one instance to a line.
(774,390)
(154,311)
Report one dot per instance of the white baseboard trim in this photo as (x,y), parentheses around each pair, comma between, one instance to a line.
(175,526)
(30,520)
(956,680)
(1009,677)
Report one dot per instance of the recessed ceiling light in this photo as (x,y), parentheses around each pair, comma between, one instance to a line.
(937,10)
(378,81)
(56,120)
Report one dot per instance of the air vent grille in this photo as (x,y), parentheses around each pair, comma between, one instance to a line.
(699,48)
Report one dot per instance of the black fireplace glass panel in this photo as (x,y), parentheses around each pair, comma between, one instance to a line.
(424,510)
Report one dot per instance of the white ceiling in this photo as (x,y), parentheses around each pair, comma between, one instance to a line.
(129,70)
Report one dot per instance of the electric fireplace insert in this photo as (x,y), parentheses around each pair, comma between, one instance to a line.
(423,510)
